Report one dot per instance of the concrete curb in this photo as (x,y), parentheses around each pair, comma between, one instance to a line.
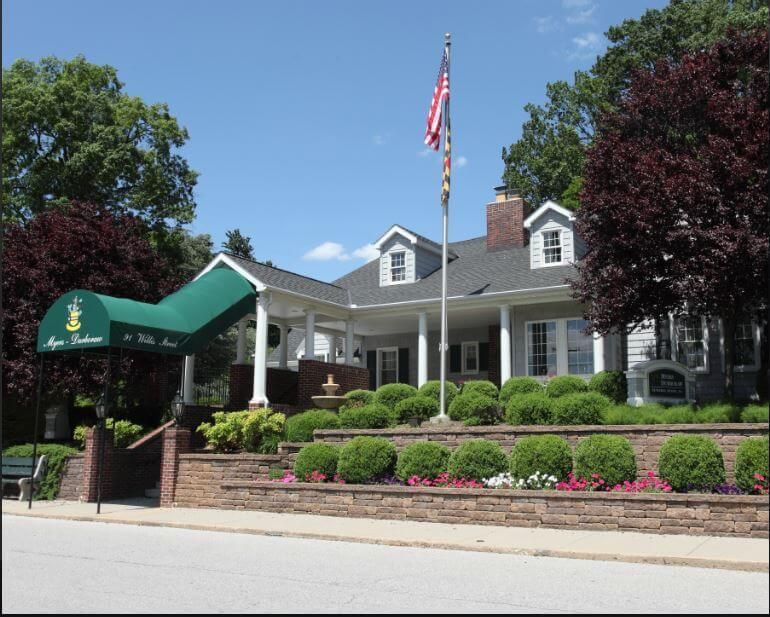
(696,562)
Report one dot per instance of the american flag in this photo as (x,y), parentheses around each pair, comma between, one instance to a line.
(440,94)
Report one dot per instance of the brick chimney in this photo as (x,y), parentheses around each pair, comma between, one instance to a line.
(505,219)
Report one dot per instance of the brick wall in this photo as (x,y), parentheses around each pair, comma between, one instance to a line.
(312,374)
(505,223)
(646,440)
(282,386)
(72,478)
(737,516)
(176,441)
(241,384)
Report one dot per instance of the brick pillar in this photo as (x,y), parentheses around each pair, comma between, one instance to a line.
(494,355)
(241,385)
(91,465)
(176,441)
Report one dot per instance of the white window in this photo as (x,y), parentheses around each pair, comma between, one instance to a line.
(398,266)
(552,247)
(387,365)
(470,357)
(691,343)
(580,348)
(746,346)
(542,348)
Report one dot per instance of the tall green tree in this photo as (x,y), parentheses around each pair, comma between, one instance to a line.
(547,161)
(71,133)
(238,244)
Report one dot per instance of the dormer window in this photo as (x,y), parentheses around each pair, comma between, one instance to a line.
(398,267)
(552,247)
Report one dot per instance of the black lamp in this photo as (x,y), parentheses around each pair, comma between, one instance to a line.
(177,408)
(101,408)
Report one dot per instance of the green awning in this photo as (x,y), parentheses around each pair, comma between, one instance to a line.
(182,323)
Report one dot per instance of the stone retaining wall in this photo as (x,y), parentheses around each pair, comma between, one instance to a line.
(736,516)
(645,439)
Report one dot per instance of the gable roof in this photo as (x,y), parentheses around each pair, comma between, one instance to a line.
(548,205)
(413,237)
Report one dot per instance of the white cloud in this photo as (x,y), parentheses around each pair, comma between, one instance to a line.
(586,46)
(582,17)
(461,161)
(546,24)
(367,252)
(380,140)
(425,152)
(571,4)
(327,252)
(590,40)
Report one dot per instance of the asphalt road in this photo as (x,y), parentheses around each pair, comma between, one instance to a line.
(71,567)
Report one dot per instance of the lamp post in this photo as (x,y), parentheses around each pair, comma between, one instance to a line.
(102,406)
(177,408)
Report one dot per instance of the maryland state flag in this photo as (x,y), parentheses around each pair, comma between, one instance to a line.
(447,164)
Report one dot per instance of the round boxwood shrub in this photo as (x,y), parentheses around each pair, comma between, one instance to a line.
(610,456)
(691,462)
(390,394)
(519,385)
(433,388)
(301,426)
(547,454)
(755,413)
(580,408)
(320,457)
(474,408)
(611,384)
(358,398)
(369,416)
(423,407)
(565,384)
(480,386)
(477,459)
(751,459)
(366,459)
(532,408)
(423,459)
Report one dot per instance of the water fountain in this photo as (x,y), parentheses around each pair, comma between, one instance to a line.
(329,400)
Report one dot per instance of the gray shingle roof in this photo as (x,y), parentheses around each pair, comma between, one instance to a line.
(475,271)
(428,241)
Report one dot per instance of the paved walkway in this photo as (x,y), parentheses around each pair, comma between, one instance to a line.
(748,554)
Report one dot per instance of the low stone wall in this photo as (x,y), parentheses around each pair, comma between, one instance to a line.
(645,439)
(72,478)
(743,516)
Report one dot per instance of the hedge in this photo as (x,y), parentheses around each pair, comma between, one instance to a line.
(751,458)
(546,454)
(375,415)
(532,408)
(477,459)
(57,455)
(422,407)
(580,408)
(518,385)
(300,428)
(691,462)
(423,459)
(480,386)
(366,459)
(475,408)
(390,394)
(565,384)
(433,389)
(611,384)
(610,456)
(320,457)
(358,398)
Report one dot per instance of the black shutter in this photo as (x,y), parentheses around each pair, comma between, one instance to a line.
(483,356)
(403,365)
(371,364)
(455,358)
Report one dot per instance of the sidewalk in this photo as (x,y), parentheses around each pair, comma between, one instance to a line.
(749,554)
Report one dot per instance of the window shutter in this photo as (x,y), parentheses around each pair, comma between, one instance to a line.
(483,356)
(371,364)
(455,358)
(403,365)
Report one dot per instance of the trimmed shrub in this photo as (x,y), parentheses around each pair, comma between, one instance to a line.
(425,459)
(390,394)
(242,430)
(57,455)
(320,457)
(678,414)
(474,407)
(366,459)
(717,413)
(580,408)
(423,407)
(610,456)
(433,388)
(358,398)
(519,385)
(532,408)
(125,433)
(620,414)
(301,427)
(546,454)
(751,458)
(611,384)
(477,459)
(375,415)
(691,462)
(755,413)
(565,384)
(480,386)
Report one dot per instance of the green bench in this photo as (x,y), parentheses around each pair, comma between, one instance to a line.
(16,471)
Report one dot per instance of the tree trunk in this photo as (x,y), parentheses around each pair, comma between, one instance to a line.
(728,331)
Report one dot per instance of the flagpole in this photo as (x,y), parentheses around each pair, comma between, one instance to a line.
(443,417)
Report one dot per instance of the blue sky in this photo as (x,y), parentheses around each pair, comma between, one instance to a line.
(306,118)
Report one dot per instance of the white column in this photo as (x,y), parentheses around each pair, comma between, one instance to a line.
(349,342)
(513,342)
(189,373)
(422,349)
(505,344)
(260,352)
(331,344)
(309,335)
(598,353)
(240,354)
(283,347)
